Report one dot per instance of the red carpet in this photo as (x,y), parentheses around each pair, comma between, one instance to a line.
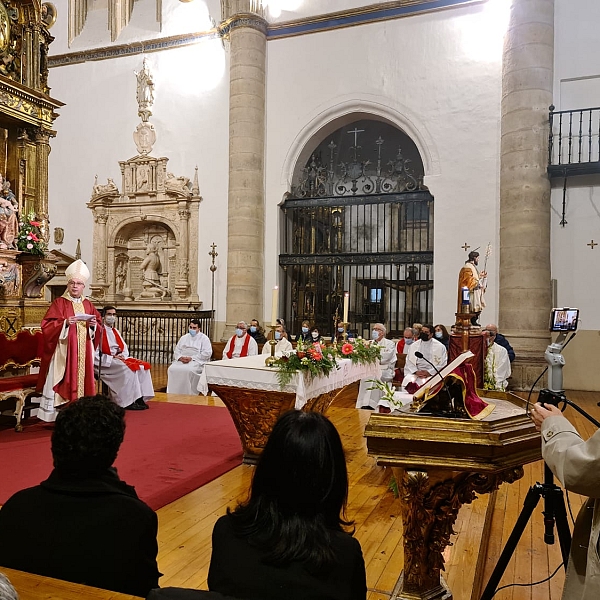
(168,451)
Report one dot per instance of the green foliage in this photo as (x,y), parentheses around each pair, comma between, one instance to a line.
(30,238)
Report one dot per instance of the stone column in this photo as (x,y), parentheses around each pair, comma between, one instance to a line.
(527,82)
(246,29)
(182,285)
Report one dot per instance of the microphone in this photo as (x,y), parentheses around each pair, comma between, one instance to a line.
(443,379)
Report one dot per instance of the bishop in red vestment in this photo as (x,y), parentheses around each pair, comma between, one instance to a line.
(69,330)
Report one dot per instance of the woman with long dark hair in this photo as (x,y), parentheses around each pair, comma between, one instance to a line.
(289,540)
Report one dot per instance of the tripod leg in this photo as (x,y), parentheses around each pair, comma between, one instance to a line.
(562,523)
(531,501)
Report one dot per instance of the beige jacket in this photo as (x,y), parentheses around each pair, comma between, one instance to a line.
(577,466)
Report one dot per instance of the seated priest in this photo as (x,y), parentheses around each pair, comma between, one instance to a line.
(283,345)
(128,379)
(368,399)
(192,352)
(497,364)
(241,344)
(419,369)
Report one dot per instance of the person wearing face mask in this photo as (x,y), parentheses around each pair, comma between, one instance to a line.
(128,380)
(497,364)
(441,335)
(192,352)
(315,336)
(257,332)
(408,337)
(418,370)
(283,345)
(368,399)
(305,335)
(241,344)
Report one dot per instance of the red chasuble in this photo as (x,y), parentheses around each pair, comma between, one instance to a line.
(52,325)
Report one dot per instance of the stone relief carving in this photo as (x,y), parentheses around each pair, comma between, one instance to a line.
(145,91)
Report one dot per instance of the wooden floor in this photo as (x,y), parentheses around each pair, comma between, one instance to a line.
(185,526)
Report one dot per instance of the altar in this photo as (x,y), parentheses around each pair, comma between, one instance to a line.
(254,398)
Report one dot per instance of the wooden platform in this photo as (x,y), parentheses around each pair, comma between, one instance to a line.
(185,526)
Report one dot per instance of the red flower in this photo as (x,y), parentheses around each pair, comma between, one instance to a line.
(34,237)
(347,349)
(317,356)
(301,354)
(35,223)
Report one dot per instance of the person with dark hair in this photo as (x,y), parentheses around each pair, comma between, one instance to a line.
(91,528)
(257,332)
(441,335)
(128,379)
(192,352)
(289,540)
(315,335)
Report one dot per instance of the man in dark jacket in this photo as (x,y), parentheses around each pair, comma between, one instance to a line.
(83,524)
(500,340)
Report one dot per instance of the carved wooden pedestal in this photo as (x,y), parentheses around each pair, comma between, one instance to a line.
(441,464)
(255,412)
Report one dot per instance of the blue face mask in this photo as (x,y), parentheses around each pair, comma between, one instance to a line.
(278,335)
(193,332)
(408,341)
(239,332)
(438,335)
(341,329)
(305,330)
(253,329)
(375,334)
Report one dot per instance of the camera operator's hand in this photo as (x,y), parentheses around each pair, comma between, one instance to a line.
(539,412)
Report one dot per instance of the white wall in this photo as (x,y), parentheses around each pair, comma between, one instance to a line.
(575,266)
(420,73)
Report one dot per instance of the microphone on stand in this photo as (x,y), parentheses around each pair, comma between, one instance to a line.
(443,379)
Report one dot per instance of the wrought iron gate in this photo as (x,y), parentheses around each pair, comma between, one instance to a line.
(365,230)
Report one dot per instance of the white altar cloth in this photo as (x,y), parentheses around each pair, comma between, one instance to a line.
(251,372)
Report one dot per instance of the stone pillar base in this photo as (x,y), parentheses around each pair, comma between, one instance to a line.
(525,370)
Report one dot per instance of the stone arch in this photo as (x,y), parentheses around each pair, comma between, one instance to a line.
(345,111)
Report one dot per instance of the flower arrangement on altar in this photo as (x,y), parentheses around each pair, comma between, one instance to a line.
(30,238)
(317,360)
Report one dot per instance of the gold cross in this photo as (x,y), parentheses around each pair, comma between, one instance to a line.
(592,244)
(465,247)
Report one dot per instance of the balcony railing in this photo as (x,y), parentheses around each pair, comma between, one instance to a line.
(574,143)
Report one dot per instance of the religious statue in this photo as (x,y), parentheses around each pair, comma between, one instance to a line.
(9,221)
(9,278)
(145,91)
(121,277)
(475,282)
(151,267)
(179,184)
(108,188)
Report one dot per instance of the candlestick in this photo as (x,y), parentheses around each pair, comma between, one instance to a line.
(346,301)
(274,305)
(271,359)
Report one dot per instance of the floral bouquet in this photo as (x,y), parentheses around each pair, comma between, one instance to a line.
(30,238)
(360,351)
(313,360)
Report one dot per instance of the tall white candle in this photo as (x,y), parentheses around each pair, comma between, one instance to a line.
(274,305)
(346,301)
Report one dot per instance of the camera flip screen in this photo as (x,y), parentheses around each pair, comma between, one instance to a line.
(564,319)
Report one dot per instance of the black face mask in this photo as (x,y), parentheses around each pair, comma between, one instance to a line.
(424,337)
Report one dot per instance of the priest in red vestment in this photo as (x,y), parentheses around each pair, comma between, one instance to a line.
(69,330)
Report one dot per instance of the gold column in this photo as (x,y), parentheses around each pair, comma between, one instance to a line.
(42,143)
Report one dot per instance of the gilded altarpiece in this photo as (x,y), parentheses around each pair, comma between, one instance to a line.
(27,114)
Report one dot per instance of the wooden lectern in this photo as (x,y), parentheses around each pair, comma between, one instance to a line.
(440,464)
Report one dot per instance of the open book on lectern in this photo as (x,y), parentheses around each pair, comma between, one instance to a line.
(435,379)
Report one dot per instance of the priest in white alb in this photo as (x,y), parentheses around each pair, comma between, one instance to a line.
(128,379)
(497,364)
(434,356)
(282,347)
(192,352)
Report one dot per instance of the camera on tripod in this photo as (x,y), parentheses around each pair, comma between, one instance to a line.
(554,398)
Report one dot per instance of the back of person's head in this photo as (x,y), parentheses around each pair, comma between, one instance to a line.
(298,492)
(87,435)
(7,591)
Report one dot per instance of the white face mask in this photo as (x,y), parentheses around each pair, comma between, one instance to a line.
(408,341)
(110,319)
(315,335)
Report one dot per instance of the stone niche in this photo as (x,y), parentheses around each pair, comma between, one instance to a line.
(145,238)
